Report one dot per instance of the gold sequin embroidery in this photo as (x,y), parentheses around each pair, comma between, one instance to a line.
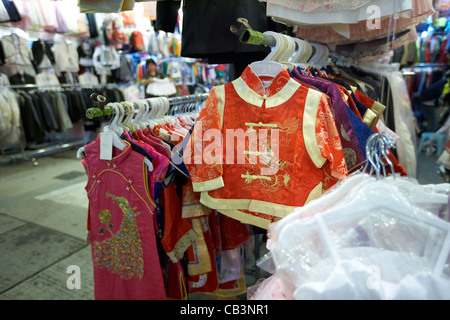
(121,253)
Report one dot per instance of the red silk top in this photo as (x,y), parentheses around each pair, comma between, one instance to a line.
(232,153)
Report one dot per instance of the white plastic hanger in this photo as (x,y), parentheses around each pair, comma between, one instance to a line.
(269,67)
(136,121)
(318,55)
(80,152)
(290,48)
(118,124)
(143,118)
(324,60)
(301,50)
(151,115)
(266,68)
(117,141)
(145,115)
(129,106)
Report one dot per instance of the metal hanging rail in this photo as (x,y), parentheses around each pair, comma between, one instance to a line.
(101,108)
(62,85)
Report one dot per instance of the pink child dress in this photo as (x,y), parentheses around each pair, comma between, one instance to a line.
(122,233)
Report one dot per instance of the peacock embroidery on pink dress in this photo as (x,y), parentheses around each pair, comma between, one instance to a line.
(122,253)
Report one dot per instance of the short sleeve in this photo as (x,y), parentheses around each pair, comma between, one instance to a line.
(328,140)
(203,155)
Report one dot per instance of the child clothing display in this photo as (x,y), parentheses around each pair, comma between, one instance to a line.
(285,175)
(123,242)
(304,137)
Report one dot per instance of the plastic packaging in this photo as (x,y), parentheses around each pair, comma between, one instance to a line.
(376,243)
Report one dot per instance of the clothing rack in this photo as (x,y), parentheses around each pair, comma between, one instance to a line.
(410,71)
(47,147)
(103,109)
(63,85)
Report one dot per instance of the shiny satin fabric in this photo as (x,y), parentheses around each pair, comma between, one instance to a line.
(121,224)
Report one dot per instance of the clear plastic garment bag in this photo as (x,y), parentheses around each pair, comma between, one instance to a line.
(367,238)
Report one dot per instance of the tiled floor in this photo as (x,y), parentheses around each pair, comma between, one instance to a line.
(43,211)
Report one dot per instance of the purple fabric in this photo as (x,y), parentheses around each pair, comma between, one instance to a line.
(342,119)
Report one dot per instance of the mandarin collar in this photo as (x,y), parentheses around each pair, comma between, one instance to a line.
(251,89)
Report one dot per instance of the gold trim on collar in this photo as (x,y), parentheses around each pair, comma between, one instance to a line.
(250,96)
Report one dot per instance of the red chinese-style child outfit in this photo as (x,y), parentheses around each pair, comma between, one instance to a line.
(310,156)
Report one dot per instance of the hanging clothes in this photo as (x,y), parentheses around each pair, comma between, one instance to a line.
(66,57)
(362,31)
(124,251)
(18,53)
(43,57)
(317,157)
(206,32)
(176,237)
(325,13)
(10,118)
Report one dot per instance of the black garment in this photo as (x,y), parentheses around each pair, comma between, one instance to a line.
(92,25)
(33,129)
(167,15)
(85,52)
(432,92)
(95,123)
(125,73)
(48,113)
(13,14)
(398,54)
(22,78)
(206,30)
(75,105)
(40,48)
(54,105)
(427,102)
(68,77)
(2,54)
